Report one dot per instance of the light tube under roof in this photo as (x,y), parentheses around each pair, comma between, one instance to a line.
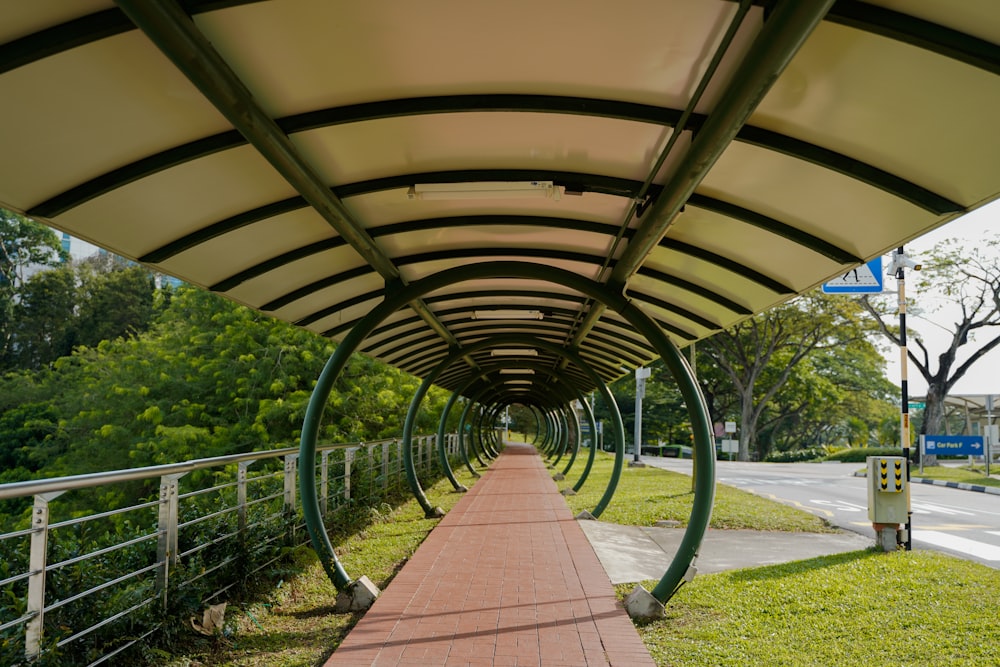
(507,314)
(514,352)
(486,190)
(517,371)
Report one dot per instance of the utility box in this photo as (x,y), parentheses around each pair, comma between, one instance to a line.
(888,490)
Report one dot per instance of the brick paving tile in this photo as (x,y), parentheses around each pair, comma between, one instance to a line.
(506,578)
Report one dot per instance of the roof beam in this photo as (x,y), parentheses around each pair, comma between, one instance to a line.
(783,34)
(173,31)
(917,32)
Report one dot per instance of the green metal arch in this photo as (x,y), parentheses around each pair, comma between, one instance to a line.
(704,483)
(504,339)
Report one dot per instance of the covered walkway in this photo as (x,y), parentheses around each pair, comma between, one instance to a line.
(507,578)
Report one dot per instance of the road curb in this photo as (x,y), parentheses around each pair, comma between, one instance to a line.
(951,485)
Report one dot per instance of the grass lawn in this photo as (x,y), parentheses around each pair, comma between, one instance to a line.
(862,609)
(646,495)
(976,475)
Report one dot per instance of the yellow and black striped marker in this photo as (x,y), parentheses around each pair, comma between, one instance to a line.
(897,476)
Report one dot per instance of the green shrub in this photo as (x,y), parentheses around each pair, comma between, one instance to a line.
(796,455)
(859,454)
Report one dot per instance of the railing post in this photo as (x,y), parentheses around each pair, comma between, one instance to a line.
(385,466)
(291,482)
(166,544)
(37,561)
(348,459)
(370,487)
(291,466)
(241,496)
(324,481)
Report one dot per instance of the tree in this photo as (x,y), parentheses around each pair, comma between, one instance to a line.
(114,302)
(759,355)
(835,396)
(968,282)
(23,244)
(43,319)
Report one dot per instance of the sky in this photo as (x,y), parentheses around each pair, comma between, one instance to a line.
(984,376)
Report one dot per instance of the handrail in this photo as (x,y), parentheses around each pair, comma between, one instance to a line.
(257,508)
(73,482)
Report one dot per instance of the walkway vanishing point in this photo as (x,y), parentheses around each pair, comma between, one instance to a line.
(506,578)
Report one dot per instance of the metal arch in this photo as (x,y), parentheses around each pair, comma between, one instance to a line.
(442,452)
(458,391)
(860,15)
(462,431)
(607,359)
(704,483)
(486,103)
(583,182)
(458,353)
(923,34)
(593,447)
(538,253)
(442,455)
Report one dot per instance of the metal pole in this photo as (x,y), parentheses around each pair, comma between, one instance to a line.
(904,406)
(989,432)
(637,433)
(641,375)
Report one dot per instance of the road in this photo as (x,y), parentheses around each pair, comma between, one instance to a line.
(962,523)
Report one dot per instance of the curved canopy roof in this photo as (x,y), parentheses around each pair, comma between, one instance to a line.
(708,159)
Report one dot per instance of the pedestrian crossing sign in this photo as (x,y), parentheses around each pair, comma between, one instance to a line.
(865,279)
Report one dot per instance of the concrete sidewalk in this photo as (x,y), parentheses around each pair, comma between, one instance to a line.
(637,553)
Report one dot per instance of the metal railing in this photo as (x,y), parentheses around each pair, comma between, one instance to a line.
(81,586)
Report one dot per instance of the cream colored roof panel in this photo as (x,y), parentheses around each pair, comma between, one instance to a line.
(710,164)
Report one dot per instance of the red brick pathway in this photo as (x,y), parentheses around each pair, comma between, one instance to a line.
(507,578)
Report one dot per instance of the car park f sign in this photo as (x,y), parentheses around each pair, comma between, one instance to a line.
(954,445)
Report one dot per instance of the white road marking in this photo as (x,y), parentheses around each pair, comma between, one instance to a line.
(940,509)
(972,547)
(841,505)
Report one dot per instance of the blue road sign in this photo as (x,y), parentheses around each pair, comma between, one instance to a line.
(954,445)
(866,279)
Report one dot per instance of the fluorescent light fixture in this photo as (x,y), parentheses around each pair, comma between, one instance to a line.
(518,382)
(515,352)
(486,190)
(507,314)
(517,371)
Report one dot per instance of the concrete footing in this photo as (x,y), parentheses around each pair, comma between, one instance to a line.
(636,464)
(585,516)
(640,604)
(558,477)
(435,513)
(886,536)
(359,595)
(568,492)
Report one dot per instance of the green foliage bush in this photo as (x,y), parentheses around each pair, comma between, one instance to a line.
(208,378)
(859,454)
(796,455)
